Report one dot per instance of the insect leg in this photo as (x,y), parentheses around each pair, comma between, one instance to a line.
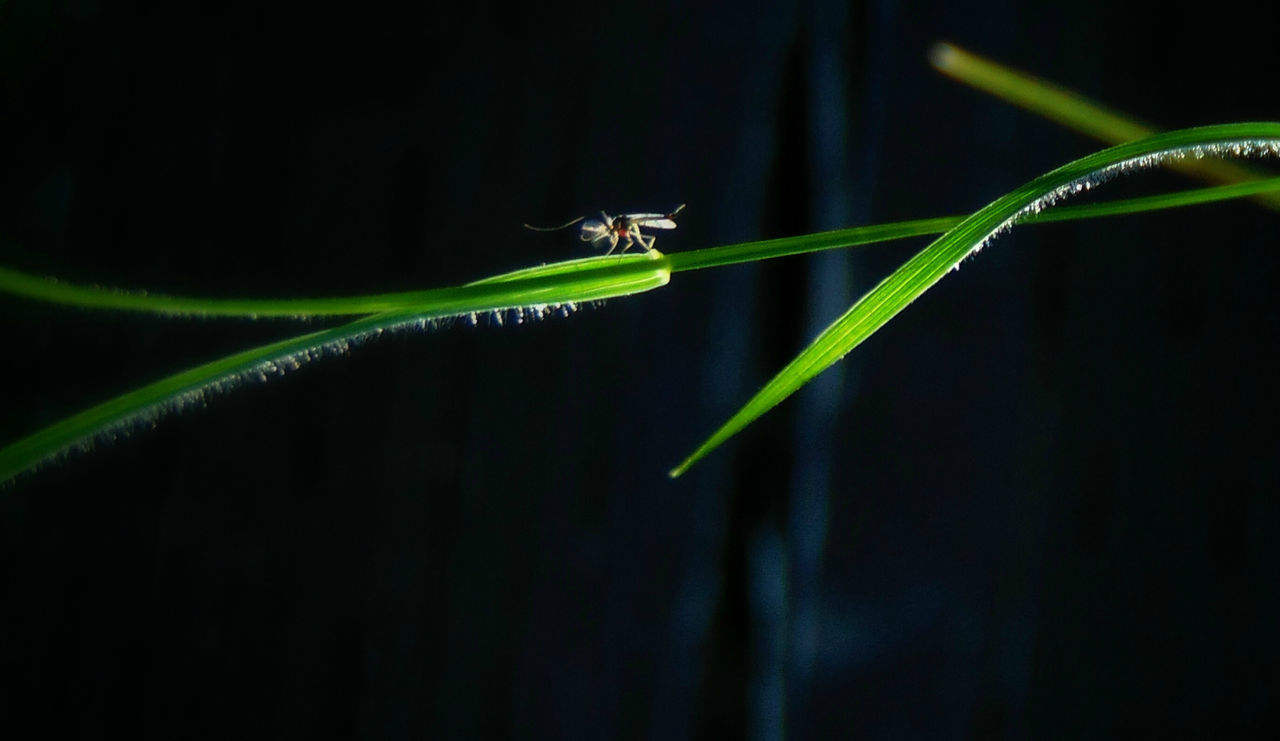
(646,241)
(626,242)
(613,243)
(609,237)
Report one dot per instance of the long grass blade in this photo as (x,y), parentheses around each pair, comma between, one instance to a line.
(112,299)
(509,289)
(532,289)
(906,284)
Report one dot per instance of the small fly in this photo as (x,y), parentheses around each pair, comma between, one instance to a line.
(624,229)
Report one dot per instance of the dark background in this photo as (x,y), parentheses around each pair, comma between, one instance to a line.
(1040,504)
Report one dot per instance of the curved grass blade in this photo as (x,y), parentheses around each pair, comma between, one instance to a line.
(903,286)
(534,288)
(733,254)
(611,271)
(92,297)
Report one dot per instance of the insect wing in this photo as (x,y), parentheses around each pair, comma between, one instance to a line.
(652,221)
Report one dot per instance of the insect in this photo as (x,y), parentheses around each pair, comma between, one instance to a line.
(615,229)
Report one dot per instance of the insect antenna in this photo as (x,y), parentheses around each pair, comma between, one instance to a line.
(554,228)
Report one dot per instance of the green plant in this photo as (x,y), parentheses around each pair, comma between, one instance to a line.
(547,287)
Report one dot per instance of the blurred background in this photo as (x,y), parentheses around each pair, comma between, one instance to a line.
(1039,503)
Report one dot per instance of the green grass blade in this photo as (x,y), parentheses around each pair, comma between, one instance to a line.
(751,251)
(535,288)
(1074,111)
(92,297)
(558,280)
(903,286)
(863,235)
